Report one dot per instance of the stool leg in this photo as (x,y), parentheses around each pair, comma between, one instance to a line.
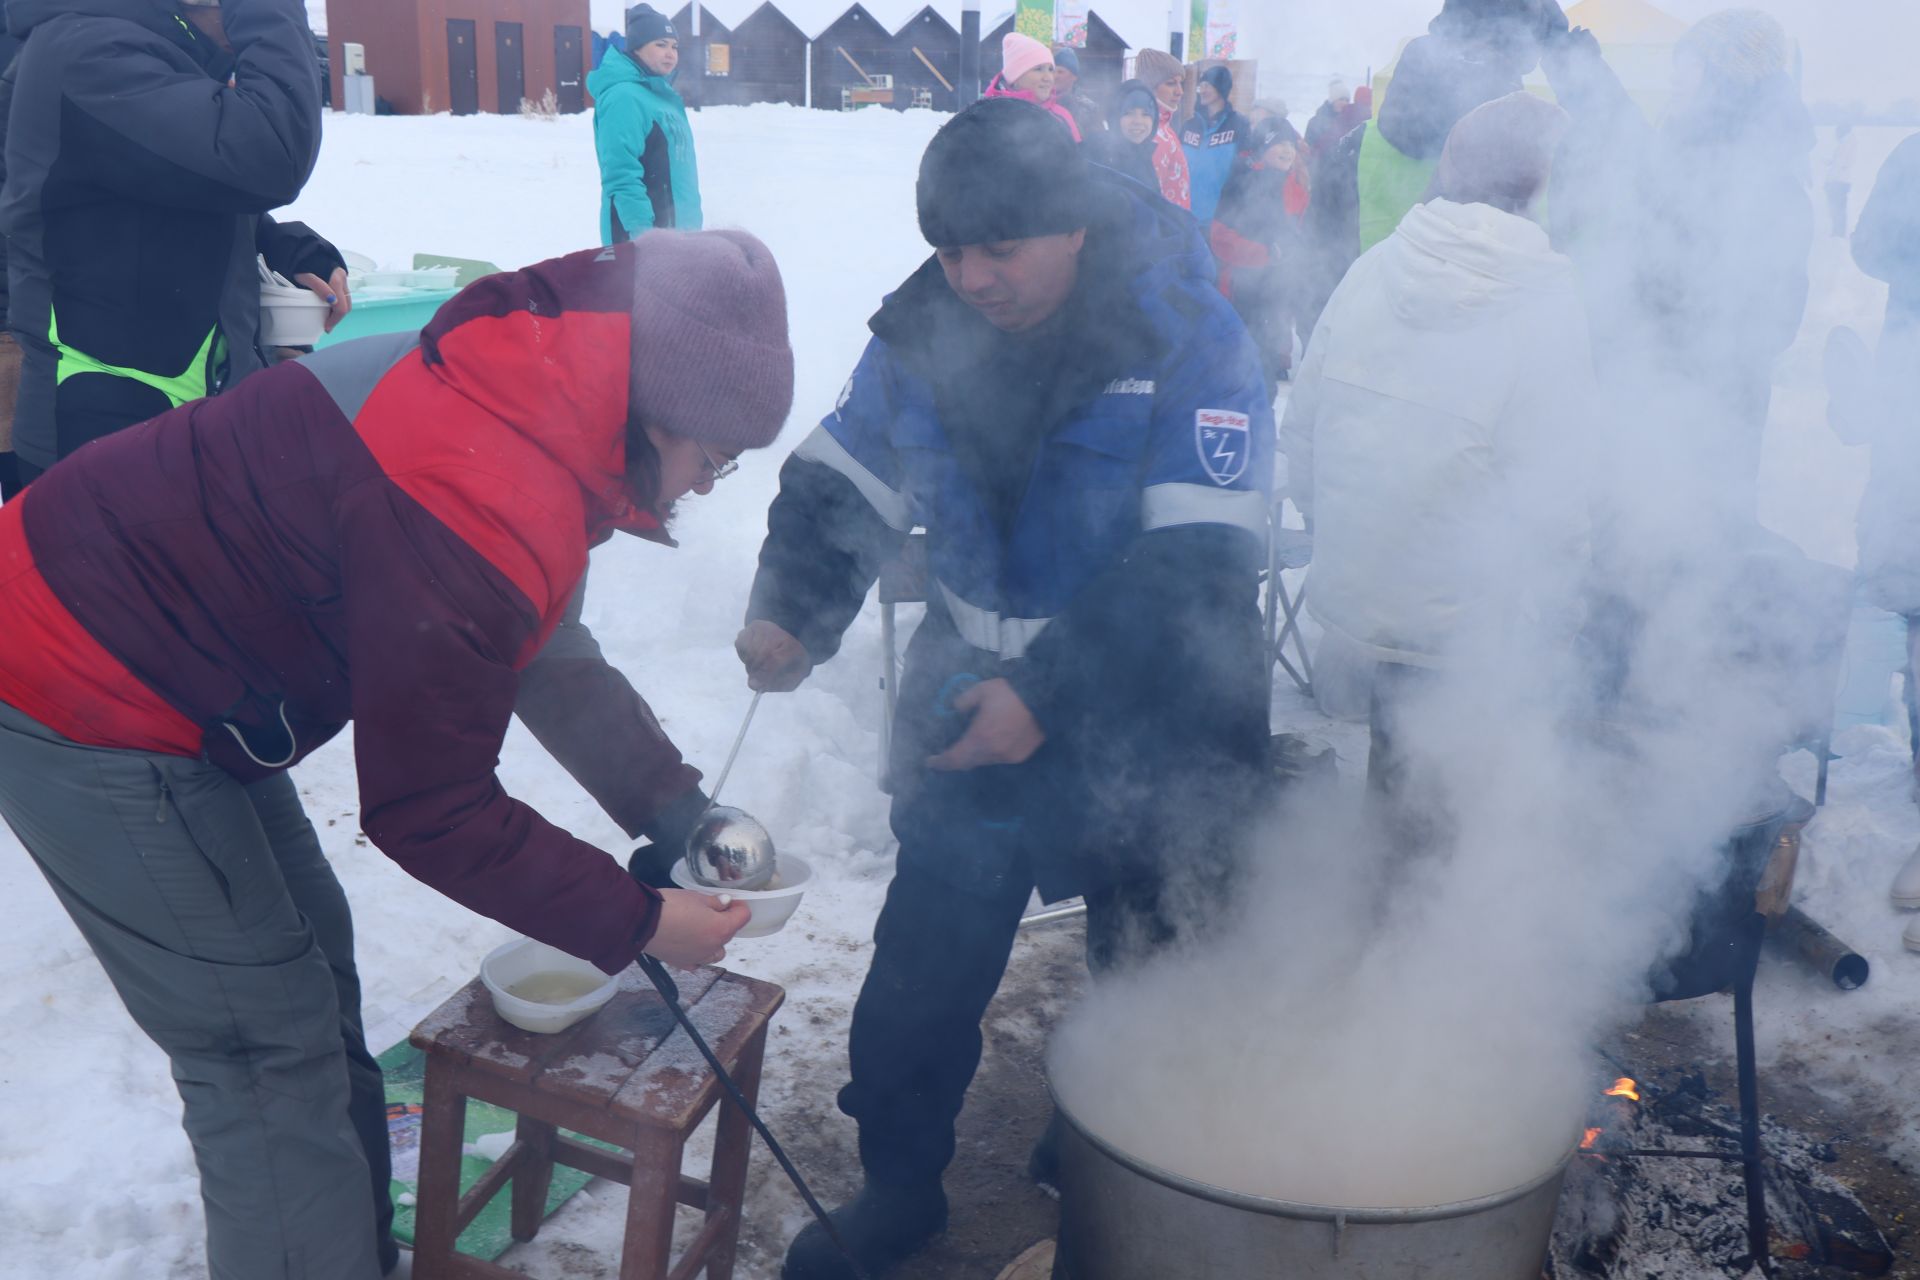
(651,1198)
(443,1121)
(534,1178)
(727,1185)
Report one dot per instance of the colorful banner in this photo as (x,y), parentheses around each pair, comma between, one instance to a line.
(1222,29)
(1034,18)
(1197,31)
(1070,23)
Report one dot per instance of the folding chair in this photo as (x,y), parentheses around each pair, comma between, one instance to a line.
(1287,549)
(902,581)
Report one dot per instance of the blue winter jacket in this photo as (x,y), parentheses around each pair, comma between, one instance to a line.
(1211,143)
(1117,596)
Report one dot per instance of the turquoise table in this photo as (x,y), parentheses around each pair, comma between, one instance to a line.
(392,313)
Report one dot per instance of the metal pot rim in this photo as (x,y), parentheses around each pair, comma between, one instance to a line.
(1349,1216)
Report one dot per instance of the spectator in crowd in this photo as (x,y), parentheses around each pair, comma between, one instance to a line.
(1841,157)
(649,175)
(1127,145)
(1258,238)
(1213,138)
(1444,395)
(1338,116)
(1027,75)
(1069,93)
(143,134)
(1265,109)
(1473,52)
(1886,245)
(1693,239)
(1163,73)
(385,533)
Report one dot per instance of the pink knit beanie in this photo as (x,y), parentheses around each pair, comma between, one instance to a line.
(711,359)
(1020,54)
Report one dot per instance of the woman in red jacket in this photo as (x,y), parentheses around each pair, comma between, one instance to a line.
(1258,237)
(386,533)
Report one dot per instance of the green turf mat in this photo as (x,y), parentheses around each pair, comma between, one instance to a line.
(489,1234)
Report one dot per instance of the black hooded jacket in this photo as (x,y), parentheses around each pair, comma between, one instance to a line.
(141,160)
(1111,148)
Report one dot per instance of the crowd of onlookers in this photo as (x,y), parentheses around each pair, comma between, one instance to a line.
(1246,176)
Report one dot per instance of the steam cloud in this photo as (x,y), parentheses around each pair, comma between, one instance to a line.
(1365,1028)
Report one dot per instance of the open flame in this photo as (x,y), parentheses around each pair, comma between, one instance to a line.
(1624,1088)
(1593,1136)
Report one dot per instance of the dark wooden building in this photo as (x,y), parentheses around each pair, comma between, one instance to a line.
(712,85)
(766,60)
(853,62)
(465,56)
(926,62)
(1103,61)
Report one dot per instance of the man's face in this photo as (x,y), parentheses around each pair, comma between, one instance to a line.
(1208,95)
(1063,79)
(661,56)
(1015,284)
(1339,101)
(1170,91)
(1136,124)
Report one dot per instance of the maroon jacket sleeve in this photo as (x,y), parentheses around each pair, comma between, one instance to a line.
(432,630)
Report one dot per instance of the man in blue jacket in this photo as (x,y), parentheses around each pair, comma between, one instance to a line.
(1213,136)
(1062,398)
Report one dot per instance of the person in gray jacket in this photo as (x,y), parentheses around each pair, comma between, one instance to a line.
(146,141)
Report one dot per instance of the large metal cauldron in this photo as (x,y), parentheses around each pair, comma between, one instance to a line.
(1123,1219)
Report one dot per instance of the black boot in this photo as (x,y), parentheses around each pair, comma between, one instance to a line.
(881,1227)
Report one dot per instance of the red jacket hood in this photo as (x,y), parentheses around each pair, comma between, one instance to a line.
(547,350)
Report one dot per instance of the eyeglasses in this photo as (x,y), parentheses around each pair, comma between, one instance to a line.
(718,470)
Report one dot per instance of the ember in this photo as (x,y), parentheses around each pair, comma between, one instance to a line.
(1683,1219)
(1624,1088)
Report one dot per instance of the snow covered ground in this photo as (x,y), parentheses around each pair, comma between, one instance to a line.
(96,1180)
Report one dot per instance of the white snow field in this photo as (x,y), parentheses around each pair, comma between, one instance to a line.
(96,1180)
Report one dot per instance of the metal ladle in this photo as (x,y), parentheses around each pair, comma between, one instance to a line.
(729,849)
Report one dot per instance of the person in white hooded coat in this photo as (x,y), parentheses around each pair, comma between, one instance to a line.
(1437,423)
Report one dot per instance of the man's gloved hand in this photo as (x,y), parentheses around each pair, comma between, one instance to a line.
(775,661)
(1002,729)
(652,862)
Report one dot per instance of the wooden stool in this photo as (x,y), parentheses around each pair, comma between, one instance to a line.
(621,1076)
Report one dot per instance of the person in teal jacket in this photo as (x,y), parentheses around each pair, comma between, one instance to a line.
(648,175)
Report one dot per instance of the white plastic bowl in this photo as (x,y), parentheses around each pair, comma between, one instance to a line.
(524,962)
(291,316)
(770,908)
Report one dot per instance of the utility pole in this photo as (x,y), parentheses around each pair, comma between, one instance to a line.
(969,53)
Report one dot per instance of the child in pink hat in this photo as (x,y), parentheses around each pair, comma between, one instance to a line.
(1026,72)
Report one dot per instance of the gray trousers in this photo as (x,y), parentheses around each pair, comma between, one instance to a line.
(221,925)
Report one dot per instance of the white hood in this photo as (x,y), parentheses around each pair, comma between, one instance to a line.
(1451,265)
(1434,430)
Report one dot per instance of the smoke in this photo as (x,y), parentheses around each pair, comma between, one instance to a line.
(1854,52)
(1399,1007)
